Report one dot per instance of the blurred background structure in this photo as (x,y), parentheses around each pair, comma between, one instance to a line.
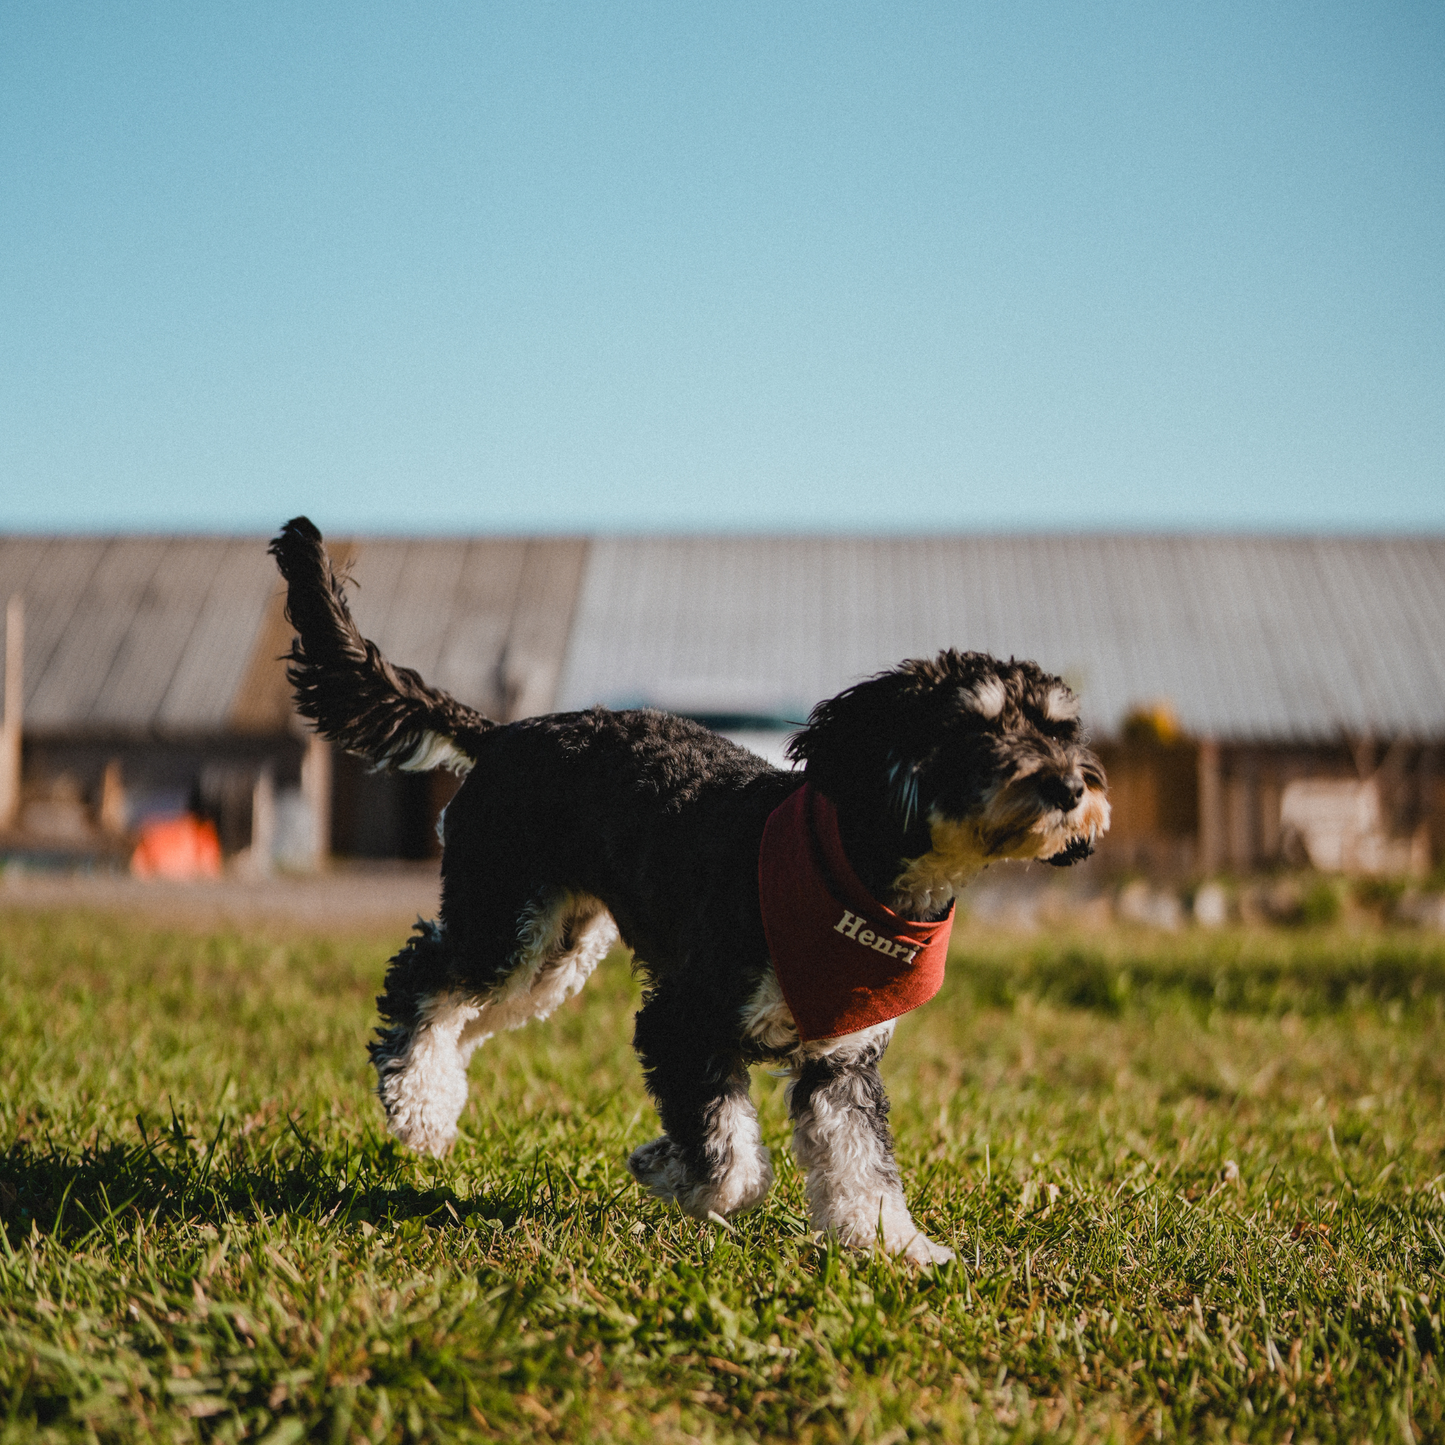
(1258,701)
(725,356)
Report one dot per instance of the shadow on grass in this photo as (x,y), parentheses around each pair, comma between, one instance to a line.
(168,1179)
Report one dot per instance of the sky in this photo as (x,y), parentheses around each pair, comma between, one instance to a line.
(747,267)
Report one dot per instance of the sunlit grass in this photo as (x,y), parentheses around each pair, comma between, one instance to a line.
(1197,1187)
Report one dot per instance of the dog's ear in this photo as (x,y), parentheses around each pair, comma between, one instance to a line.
(858,728)
(890,726)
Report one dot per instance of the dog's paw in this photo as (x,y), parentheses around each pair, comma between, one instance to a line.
(426,1130)
(894,1234)
(660,1169)
(922,1250)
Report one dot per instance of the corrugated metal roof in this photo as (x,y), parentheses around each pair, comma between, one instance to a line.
(487,620)
(128,634)
(202,693)
(1248,637)
(132,635)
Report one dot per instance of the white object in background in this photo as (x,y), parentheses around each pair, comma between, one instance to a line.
(1211,906)
(112,799)
(1139,903)
(316,789)
(1341,825)
(293,841)
(767,743)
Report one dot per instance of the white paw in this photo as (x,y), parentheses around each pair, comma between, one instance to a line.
(748,1184)
(922,1250)
(902,1238)
(897,1235)
(420,1125)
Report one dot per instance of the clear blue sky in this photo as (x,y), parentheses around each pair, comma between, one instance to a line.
(581,266)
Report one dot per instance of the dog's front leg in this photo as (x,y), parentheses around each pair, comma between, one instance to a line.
(842,1140)
(712,1159)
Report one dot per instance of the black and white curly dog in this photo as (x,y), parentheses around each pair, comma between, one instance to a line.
(572,829)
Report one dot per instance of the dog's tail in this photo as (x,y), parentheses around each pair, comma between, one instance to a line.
(355,697)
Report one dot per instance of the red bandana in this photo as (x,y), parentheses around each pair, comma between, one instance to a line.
(845,962)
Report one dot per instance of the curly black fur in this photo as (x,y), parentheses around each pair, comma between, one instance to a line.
(1076,852)
(419,970)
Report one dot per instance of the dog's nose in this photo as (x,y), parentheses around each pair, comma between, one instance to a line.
(1062,793)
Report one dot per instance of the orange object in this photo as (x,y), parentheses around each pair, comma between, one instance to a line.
(184,847)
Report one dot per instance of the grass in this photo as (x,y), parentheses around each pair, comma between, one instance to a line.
(1197,1186)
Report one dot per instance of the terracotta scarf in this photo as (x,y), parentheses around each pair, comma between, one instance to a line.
(845,962)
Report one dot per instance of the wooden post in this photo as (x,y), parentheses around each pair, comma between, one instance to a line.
(263,822)
(316,789)
(112,799)
(1268,817)
(1211,808)
(12,727)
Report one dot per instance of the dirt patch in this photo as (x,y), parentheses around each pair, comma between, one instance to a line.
(346,898)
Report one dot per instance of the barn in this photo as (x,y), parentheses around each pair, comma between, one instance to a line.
(148,680)
(1257,700)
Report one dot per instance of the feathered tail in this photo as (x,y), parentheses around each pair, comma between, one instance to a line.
(348,689)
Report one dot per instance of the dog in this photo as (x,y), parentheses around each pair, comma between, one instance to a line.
(572,831)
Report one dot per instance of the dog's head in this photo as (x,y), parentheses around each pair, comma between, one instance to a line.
(971,759)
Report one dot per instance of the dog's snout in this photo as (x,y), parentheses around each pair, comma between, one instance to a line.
(1063,792)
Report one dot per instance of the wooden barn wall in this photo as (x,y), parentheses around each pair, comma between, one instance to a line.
(1191,808)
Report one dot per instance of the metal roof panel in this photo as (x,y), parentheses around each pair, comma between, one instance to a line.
(1248,637)
(202,688)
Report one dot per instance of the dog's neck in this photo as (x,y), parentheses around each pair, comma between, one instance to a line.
(899,866)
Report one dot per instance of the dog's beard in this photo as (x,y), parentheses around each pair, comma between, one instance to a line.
(1014,823)
(1011,824)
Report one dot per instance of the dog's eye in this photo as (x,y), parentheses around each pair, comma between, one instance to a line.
(1065,729)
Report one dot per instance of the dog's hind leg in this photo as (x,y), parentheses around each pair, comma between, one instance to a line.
(842,1139)
(421,1072)
(436,1023)
(712,1159)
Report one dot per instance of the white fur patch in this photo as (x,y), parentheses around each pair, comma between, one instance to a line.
(435,751)
(1054,831)
(545,977)
(425,1089)
(767,1018)
(986,698)
(735,1135)
(1060,705)
(931,882)
(874,1037)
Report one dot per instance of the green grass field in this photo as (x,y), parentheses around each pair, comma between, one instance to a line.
(1196,1185)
